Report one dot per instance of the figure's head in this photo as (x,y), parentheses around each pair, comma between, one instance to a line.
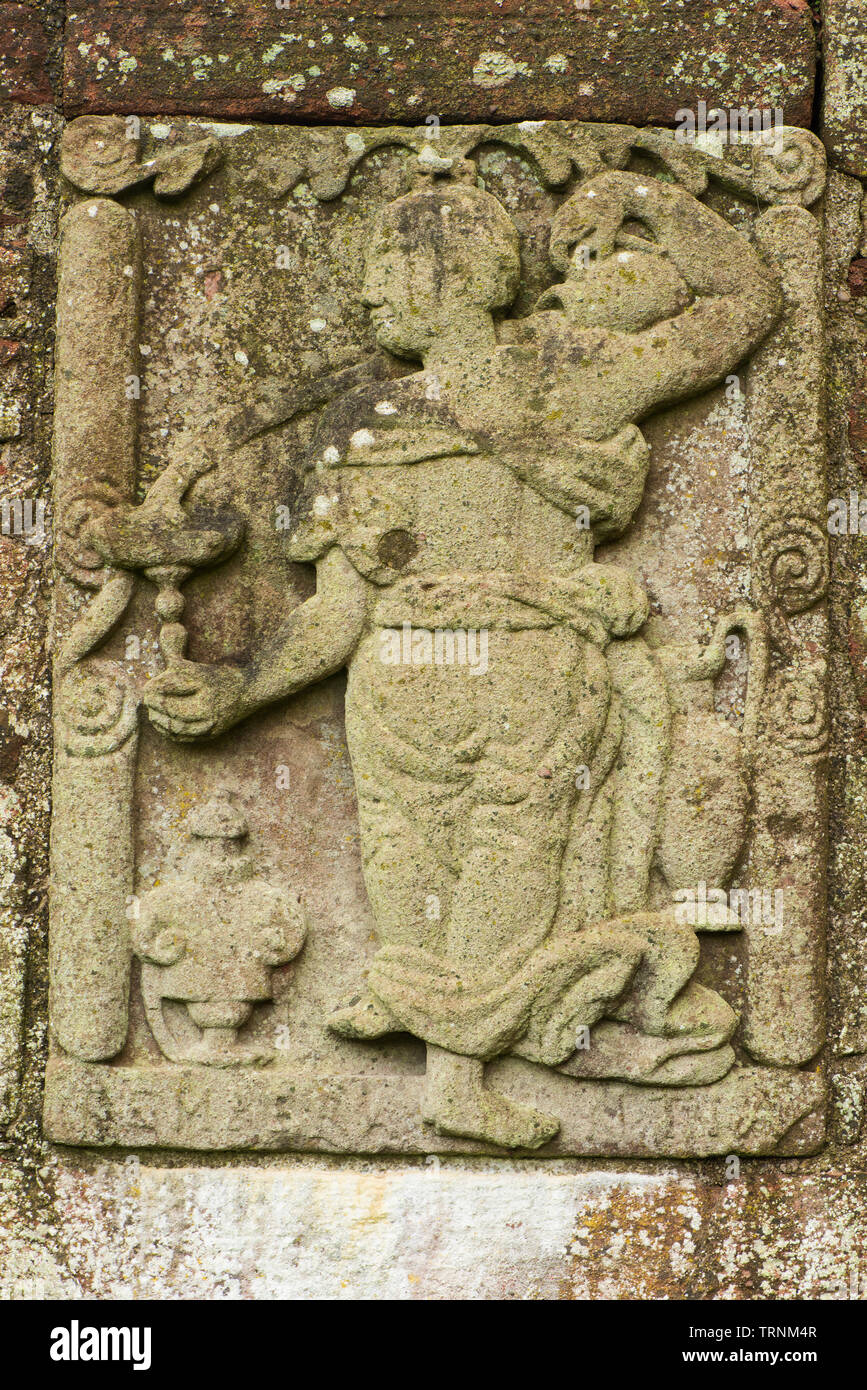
(435,254)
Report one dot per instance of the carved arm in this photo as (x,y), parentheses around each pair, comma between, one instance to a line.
(192,701)
(737,298)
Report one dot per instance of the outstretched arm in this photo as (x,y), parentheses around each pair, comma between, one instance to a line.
(192,701)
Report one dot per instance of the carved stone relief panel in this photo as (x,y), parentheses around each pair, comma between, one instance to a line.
(440,641)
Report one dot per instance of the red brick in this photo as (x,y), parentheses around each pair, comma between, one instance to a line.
(857,277)
(635,60)
(23,56)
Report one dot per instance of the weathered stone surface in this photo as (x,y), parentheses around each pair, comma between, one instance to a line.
(847,354)
(752,1111)
(27,229)
(13,957)
(456,1223)
(399,60)
(23,56)
(445,1229)
(523,854)
(844,105)
(785,1016)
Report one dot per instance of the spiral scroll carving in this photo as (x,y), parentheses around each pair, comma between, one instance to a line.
(792,563)
(797,714)
(789,167)
(74,554)
(97,710)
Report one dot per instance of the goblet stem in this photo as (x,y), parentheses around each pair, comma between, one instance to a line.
(169,607)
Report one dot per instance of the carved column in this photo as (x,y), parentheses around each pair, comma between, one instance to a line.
(95,464)
(784,1015)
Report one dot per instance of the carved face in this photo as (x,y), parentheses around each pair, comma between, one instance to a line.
(400,289)
(434,256)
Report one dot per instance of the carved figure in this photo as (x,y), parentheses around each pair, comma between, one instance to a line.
(455,498)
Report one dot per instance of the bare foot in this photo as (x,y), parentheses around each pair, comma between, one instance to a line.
(456,1102)
(363,1018)
(494,1119)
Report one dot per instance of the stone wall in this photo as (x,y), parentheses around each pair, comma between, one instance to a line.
(119,1223)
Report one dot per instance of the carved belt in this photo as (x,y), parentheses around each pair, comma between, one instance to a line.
(516,602)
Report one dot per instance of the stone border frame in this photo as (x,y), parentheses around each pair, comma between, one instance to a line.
(769,1109)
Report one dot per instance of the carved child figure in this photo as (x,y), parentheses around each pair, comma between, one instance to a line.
(448,499)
